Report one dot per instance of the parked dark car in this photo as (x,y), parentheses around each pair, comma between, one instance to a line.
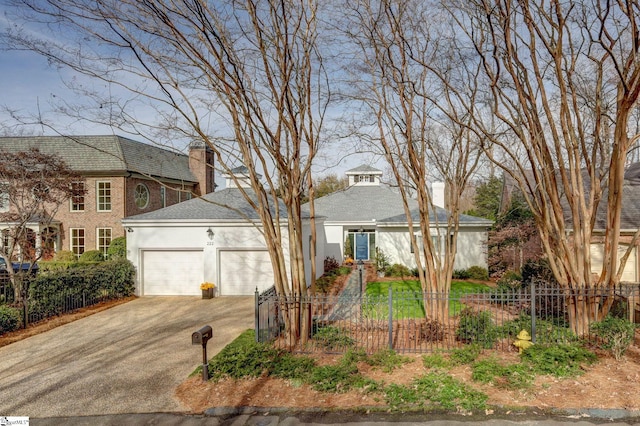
(17,266)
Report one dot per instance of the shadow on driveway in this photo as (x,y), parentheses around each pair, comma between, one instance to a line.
(127,359)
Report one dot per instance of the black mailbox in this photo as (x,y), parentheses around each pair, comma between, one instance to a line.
(202,336)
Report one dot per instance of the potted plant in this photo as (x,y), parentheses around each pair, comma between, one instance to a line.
(207,290)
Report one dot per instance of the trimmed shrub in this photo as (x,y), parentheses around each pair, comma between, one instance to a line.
(92,256)
(117,249)
(537,270)
(65,256)
(10,319)
(616,334)
(397,270)
(478,273)
(460,274)
(476,327)
(511,280)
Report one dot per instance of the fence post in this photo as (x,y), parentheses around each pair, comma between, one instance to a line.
(390,318)
(257,317)
(533,311)
(25,307)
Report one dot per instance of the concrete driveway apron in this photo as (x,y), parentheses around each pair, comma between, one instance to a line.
(127,359)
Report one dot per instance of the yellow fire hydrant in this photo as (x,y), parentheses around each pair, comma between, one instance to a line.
(523,341)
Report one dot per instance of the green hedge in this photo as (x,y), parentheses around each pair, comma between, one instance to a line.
(105,280)
(117,249)
(10,319)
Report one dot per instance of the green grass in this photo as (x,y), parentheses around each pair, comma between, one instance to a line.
(407,301)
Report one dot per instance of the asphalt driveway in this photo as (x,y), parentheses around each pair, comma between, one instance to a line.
(127,359)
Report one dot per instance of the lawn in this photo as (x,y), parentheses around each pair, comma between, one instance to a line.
(407,298)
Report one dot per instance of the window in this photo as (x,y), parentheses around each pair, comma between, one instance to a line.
(163,196)
(141,196)
(77,201)
(6,241)
(184,195)
(103,192)
(4,197)
(104,239)
(364,178)
(439,246)
(77,241)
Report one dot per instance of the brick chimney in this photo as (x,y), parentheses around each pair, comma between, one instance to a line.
(201,161)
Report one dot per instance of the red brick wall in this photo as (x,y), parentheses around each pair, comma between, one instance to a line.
(122,205)
(90,219)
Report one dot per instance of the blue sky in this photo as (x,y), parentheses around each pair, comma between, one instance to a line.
(28,84)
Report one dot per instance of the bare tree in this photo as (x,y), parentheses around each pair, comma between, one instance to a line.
(329,184)
(417,126)
(34,186)
(245,77)
(562,80)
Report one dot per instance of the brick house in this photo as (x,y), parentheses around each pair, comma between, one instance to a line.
(122,177)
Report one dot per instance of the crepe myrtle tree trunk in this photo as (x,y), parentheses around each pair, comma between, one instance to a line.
(417,128)
(244,77)
(561,82)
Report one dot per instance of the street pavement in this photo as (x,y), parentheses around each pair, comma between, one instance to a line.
(326,418)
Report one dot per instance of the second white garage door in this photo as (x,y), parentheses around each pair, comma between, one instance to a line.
(172,273)
(241,271)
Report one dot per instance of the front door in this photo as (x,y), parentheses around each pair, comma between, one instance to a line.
(363,243)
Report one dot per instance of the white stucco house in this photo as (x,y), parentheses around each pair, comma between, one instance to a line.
(216,238)
(372,215)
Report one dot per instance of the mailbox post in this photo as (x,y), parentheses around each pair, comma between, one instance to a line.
(201,337)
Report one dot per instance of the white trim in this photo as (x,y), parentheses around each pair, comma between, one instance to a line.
(98,209)
(84,242)
(98,239)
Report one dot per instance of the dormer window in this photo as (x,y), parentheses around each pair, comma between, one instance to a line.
(364,178)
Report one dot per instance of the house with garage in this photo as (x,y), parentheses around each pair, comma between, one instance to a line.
(215,238)
(370,215)
(121,177)
(629,221)
(629,225)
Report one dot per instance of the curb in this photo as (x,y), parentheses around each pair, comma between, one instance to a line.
(492,413)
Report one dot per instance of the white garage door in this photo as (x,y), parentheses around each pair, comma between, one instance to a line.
(172,273)
(597,257)
(241,271)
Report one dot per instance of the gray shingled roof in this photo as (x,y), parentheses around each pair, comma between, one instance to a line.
(630,214)
(224,205)
(360,203)
(439,216)
(367,203)
(106,154)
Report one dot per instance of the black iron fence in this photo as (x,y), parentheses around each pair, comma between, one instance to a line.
(59,303)
(421,322)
